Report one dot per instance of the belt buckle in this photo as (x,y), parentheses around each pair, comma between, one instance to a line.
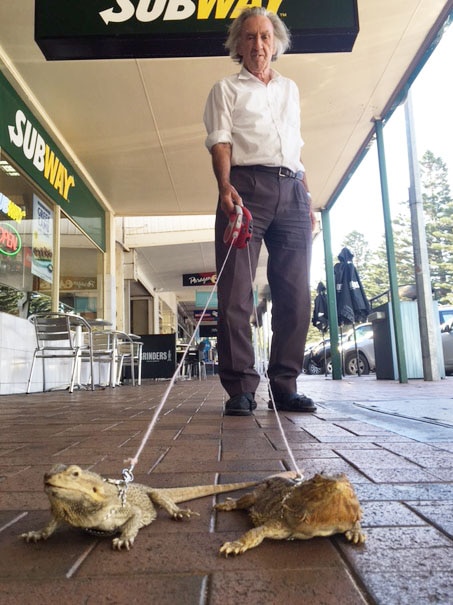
(284,174)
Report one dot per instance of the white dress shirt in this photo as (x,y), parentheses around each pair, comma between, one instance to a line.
(261,122)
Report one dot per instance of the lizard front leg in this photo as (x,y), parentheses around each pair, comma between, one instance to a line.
(41,534)
(254,537)
(129,530)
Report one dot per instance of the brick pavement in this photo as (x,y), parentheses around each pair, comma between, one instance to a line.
(402,474)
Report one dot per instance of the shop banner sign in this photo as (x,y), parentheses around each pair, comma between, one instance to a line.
(199,279)
(206,299)
(42,240)
(158,355)
(209,315)
(25,140)
(123,29)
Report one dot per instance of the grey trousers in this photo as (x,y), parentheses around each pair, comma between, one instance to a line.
(280,211)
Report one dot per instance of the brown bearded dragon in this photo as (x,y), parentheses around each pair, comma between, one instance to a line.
(87,500)
(285,509)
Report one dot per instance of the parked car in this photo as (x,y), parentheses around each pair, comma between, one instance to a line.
(318,357)
(445,315)
(362,358)
(313,362)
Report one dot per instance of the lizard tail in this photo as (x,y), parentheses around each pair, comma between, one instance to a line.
(183,494)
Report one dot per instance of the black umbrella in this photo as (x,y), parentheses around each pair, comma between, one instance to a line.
(352,302)
(320,311)
(321,316)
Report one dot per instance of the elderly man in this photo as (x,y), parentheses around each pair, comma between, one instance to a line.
(253,126)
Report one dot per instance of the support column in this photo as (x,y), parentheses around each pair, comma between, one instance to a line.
(331,296)
(421,261)
(390,247)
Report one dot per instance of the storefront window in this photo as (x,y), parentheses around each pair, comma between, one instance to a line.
(166,319)
(16,218)
(27,255)
(81,271)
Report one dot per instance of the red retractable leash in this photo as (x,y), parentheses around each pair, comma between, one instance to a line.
(239,229)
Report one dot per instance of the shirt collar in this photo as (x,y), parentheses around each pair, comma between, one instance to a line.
(244,74)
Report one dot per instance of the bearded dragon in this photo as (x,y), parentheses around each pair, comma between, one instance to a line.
(286,509)
(99,505)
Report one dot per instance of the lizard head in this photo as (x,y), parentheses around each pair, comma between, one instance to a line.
(323,499)
(72,484)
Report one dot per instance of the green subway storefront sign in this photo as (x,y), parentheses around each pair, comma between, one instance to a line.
(115,29)
(26,142)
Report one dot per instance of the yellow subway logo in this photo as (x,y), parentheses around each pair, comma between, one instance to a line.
(25,136)
(179,10)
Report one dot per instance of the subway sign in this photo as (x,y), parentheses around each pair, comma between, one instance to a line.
(26,142)
(122,29)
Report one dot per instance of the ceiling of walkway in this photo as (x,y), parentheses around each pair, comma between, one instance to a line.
(135,126)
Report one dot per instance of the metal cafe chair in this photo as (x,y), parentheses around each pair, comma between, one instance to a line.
(100,349)
(129,354)
(58,336)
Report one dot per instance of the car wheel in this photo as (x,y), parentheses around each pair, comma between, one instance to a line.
(329,365)
(312,368)
(350,363)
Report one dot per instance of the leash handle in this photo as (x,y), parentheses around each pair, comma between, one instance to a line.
(238,232)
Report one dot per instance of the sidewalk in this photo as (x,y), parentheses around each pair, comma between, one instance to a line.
(394,442)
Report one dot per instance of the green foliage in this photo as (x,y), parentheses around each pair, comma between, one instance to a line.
(438,214)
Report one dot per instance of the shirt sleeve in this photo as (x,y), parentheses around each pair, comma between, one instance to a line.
(218,117)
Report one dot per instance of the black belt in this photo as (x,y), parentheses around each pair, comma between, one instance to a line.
(277,170)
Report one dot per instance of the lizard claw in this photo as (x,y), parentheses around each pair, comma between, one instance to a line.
(355,536)
(120,543)
(232,548)
(184,512)
(32,536)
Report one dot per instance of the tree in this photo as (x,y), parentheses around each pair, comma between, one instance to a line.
(438,215)
(438,212)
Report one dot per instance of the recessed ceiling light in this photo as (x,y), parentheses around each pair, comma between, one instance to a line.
(10,170)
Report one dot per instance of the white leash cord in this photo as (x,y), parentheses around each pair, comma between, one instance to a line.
(127,473)
(271,395)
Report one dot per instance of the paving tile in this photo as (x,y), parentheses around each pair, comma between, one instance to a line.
(357,427)
(322,587)
(439,514)
(409,561)
(330,466)
(44,560)
(398,475)
(389,514)
(435,460)
(427,587)
(405,492)
(381,539)
(376,459)
(268,465)
(163,589)
(413,450)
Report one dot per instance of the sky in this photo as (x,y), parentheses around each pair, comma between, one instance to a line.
(359,207)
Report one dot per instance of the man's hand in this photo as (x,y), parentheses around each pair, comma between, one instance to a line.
(229,197)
